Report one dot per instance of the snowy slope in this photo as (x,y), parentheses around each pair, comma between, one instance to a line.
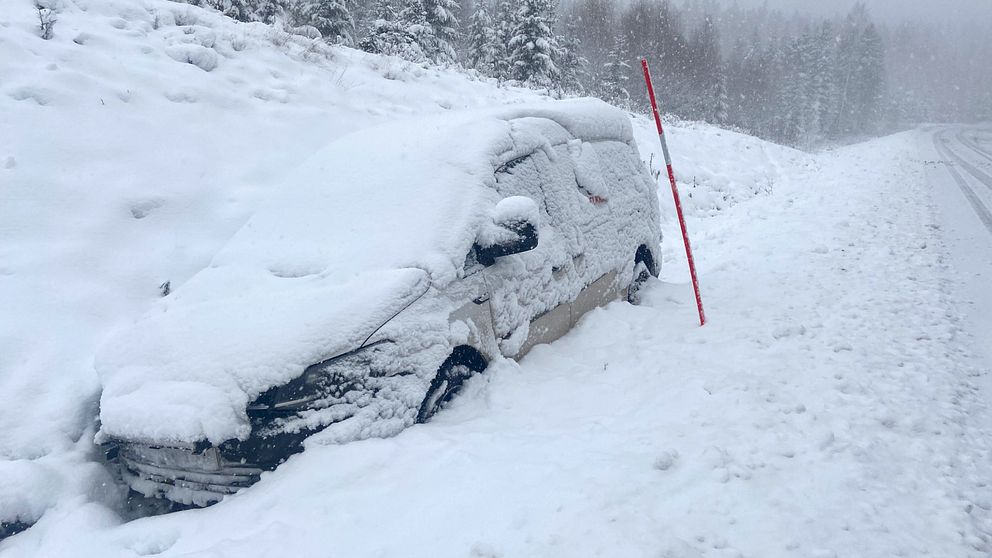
(823,412)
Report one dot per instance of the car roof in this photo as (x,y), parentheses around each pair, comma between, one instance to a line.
(406,194)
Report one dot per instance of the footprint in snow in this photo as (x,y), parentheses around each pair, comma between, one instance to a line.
(666,460)
(181,96)
(483,550)
(784,331)
(141,209)
(36,94)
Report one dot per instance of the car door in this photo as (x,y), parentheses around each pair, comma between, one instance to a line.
(600,217)
(531,292)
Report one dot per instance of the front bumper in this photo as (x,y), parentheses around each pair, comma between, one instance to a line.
(182,475)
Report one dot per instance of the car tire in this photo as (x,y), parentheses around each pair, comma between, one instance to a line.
(448,382)
(642,273)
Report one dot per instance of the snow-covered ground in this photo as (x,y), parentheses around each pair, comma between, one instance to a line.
(829,408)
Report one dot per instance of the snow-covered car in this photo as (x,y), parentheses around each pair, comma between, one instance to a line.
(393,265)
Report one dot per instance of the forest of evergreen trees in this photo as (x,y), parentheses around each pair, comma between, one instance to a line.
(789,78)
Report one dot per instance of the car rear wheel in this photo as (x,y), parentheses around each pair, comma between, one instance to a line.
(459,367)
(641,275)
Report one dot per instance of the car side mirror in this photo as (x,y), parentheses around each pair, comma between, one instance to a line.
(513,230)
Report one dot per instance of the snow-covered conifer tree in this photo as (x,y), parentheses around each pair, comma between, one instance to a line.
(505,21)
(413,18)
(720,111)
(390,32)
(571,65)
(534,46)
(483,46)
(331,17)
(440,16)
(267,11)
(241,10)
(613,87)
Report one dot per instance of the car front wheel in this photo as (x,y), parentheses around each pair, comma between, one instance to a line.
(448,382)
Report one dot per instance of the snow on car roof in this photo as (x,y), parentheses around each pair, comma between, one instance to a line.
(406,194)
(357,232)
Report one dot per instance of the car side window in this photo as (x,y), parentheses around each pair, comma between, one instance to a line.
(522,177)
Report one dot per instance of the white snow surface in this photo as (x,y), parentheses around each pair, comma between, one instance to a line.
(827,409)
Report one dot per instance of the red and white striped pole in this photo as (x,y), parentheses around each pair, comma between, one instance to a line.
(675,190)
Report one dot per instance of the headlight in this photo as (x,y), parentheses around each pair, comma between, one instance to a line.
(332,381)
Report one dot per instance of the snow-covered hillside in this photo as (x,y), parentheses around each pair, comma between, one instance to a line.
(822,412)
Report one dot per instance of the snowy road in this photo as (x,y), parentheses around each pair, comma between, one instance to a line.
(962,181)
(956,147)
(959,170)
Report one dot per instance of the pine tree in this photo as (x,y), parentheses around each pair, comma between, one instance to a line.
(706,74)
(798,124)
(859,73)
(823,75)
(246,10)
(331,17)
(413,19)
(241,10)
(720,110)
(613,87)
(389,33)
(871,74)
(506,23)
(439,15)
(755,88)
(571,65)
(483,46)
(640,26)
(382,9)
(595,23)
(534,46)
(267,11)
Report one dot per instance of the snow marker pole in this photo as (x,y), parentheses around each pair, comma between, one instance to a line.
(675,190)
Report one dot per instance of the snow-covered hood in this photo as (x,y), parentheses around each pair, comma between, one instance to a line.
(189,369)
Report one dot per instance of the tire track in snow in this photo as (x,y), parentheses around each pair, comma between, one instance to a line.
(976,172)
(983,212)
(973,145)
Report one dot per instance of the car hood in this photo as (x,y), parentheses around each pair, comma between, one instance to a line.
(188,369)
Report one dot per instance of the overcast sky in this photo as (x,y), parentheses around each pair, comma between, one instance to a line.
(975,11)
